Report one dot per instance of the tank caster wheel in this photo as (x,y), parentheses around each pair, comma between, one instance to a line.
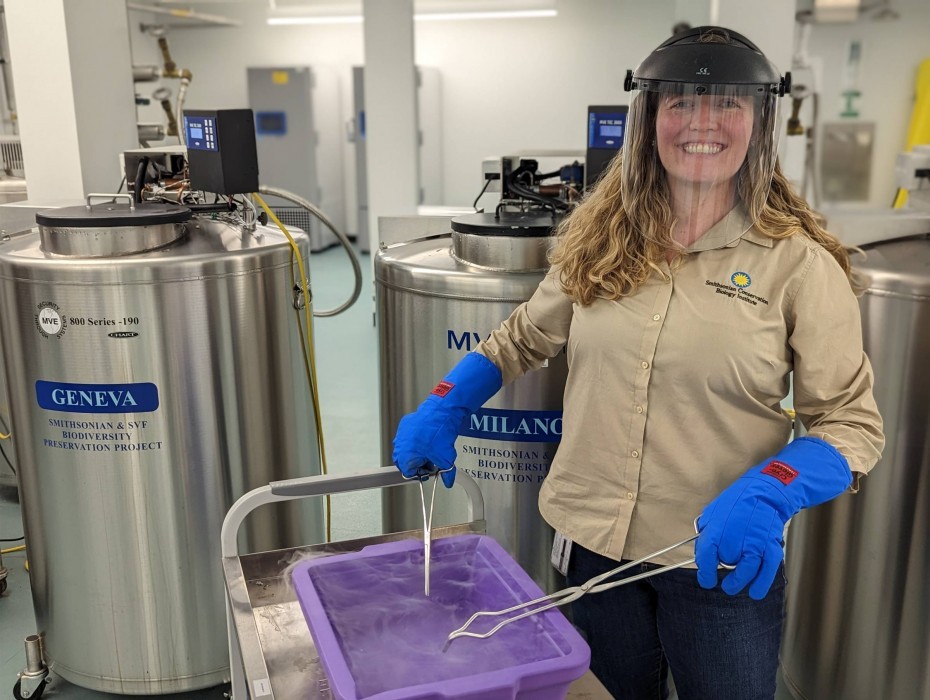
(3,585)
(31,681)
(34,695)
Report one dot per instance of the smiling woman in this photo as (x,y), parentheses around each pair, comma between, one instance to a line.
(703,139)
(685,289)
(688,285)
(702,130)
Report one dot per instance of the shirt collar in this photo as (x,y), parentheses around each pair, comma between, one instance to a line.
(728,232)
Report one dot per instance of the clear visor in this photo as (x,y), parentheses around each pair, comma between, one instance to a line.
(703,150)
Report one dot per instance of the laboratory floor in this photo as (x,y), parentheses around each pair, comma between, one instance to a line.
(347,366)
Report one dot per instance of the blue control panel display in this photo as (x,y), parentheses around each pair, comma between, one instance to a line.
(605,130)
(270,123)
(201,133)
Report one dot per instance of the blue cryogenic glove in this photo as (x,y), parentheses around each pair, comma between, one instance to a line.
(745,524)
(427,436)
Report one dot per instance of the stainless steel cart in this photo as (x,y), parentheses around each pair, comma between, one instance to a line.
(272,655)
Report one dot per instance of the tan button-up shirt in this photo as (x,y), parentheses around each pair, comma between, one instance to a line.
(674,392)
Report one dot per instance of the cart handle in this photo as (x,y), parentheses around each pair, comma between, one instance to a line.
(303,487)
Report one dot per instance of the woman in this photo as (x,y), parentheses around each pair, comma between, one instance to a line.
(685,289)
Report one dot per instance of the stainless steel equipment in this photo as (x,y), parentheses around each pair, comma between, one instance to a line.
(16,218)
(424,474)
(273,653)
(595,584)
(155,373)
(859,603)
(11,158)
(436,299)
(12,190)
(270,644)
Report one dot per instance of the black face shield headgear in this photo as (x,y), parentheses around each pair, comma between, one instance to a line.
(704,113)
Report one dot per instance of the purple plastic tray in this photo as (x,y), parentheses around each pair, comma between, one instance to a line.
(380,638)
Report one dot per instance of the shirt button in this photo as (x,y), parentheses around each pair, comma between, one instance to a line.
(645,365)
(634,453)
(639,409)
(656,317)
(629,494)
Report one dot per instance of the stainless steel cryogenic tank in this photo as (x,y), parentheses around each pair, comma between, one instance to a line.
(859,603)
(7,445)
(155,374)
(437,298)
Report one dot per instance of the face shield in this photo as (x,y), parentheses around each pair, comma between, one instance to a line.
(697,146)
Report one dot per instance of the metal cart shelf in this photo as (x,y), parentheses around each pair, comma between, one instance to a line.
(272,655)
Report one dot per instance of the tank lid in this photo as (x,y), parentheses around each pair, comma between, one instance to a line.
(110,214)
(899,267)
(507,224)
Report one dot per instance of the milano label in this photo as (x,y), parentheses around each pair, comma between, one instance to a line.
(517,426)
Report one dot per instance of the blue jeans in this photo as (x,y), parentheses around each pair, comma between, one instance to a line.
(718,647)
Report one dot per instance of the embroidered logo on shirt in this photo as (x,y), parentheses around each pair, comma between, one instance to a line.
(737,288)
(442,389)
(741,279)
(781,471)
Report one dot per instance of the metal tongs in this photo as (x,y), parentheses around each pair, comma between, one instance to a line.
(567,595)
(423,474)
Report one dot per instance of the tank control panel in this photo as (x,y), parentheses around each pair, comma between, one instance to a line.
(221,150)
(606,127)
(201,133)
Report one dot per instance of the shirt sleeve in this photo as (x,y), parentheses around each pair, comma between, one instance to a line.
(832,375)
(536,330)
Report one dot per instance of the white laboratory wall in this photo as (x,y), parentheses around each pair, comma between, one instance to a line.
(70,66)
(513,85)
(526,84)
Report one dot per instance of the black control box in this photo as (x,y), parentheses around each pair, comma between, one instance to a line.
(221,152)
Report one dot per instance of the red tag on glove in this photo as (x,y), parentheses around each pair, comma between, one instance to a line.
(442,389)
(780,471)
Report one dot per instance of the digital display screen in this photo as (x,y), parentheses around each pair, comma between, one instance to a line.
(201,133)
(270,123)
(605,130)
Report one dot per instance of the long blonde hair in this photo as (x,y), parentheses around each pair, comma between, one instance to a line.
(613,242)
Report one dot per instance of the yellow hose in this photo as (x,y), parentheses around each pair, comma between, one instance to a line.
(311,364)
(17,548)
